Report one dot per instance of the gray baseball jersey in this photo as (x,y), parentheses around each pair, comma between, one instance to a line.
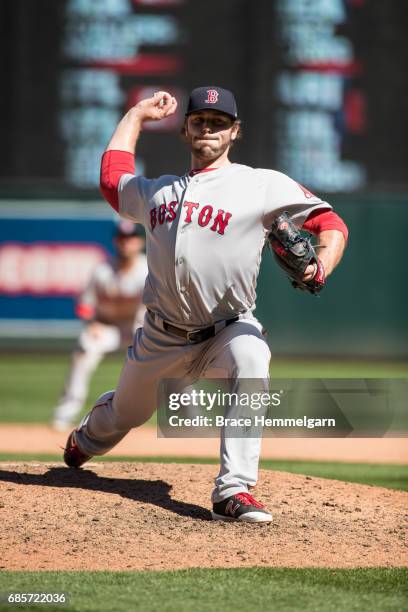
(205,234)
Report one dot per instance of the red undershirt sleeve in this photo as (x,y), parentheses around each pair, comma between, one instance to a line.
(319,220)
(113,165)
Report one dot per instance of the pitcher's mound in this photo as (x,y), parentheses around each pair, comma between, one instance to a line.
(121,516)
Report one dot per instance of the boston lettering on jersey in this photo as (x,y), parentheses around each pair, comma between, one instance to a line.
(193,211)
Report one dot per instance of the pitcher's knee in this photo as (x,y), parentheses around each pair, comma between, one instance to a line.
(250,357)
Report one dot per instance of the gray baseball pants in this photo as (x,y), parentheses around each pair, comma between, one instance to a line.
(237,351)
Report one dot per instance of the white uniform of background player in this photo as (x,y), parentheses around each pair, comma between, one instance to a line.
(205,233)
(112,307)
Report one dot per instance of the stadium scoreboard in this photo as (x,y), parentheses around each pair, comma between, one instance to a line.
(321,86)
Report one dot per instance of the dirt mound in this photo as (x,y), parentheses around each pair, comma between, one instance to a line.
(121,516)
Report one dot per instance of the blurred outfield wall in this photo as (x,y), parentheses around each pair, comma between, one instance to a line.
(48,250)
(362,312)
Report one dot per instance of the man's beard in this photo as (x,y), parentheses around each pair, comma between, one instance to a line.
(207,153)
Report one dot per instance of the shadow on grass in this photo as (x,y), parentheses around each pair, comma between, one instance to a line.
(155,492)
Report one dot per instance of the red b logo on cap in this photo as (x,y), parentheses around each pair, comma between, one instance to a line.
(212,96)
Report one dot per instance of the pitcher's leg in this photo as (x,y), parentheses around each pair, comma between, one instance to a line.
(154,356)
(239,460)
(245,358)
(116,412)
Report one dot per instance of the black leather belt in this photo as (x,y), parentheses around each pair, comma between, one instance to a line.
(195,336)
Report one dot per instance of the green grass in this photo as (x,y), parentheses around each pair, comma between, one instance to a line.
(379,475)
(30,384)
(207,590)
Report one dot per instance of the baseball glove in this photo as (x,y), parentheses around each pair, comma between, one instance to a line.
(294,254)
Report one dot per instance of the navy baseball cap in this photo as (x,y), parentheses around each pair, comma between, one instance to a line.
(127,228)
(212,97)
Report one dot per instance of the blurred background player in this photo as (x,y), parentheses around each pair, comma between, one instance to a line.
(111,305)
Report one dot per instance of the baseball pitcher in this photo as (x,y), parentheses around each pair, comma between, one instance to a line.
(205,234)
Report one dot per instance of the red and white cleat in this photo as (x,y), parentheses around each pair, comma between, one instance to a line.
(241,507)
(73,456)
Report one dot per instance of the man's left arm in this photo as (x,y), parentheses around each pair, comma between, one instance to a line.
(332,235)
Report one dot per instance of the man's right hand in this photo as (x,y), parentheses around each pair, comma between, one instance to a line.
(158,107)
